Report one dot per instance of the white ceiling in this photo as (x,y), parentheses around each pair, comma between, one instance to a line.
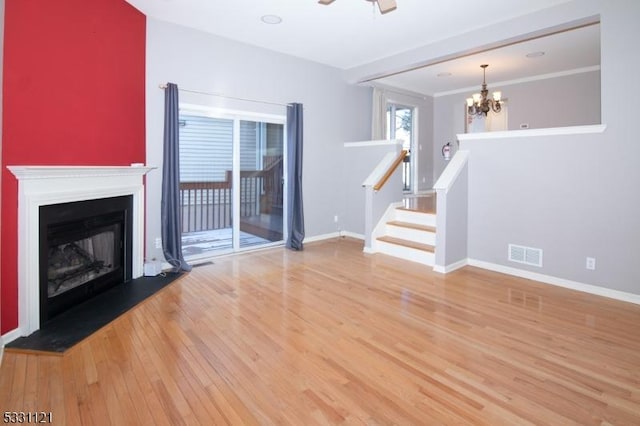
(350,33)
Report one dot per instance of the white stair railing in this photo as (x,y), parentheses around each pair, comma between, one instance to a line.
(382,188)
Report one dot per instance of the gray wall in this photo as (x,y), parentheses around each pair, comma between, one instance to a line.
(557,203)
(570,100)
(572,196)
(334,111)
(448,121)
(358,163)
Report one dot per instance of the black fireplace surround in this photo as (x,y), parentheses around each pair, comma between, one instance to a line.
(85,248)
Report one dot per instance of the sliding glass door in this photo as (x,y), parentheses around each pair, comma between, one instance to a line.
(261,182)
(231,182)
(400,125)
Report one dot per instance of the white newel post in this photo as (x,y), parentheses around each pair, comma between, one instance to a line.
(47,185)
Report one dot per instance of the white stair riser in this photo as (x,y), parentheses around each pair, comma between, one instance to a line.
(417,235)
(407,253)
(426,219)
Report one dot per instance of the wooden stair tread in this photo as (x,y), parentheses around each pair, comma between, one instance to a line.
(420,202)
(412,226)
(415,210)
(406,243)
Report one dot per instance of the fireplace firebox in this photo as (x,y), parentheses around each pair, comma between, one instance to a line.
(85,248)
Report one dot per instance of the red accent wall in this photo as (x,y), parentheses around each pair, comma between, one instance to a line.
(73,94)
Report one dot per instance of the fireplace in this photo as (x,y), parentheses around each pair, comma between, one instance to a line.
(40,186)
(85,248)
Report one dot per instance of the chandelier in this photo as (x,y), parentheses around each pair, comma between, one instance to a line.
(479,104)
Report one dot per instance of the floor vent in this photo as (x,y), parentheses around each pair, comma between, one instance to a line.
(527,255)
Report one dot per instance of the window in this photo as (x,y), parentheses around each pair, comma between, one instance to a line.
(400,125)
(231,181)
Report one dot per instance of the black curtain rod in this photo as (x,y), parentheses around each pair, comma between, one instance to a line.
(164,86)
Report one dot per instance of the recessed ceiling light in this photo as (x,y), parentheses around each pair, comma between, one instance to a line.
(444,74)
(271,19)
(535,54)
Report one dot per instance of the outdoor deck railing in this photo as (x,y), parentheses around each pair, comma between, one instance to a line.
(207,205)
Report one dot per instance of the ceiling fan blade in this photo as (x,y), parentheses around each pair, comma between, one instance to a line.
(325,1)
(387,6)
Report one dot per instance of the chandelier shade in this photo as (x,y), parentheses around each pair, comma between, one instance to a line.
(480,104)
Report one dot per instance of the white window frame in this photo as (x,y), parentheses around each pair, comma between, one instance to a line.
(237,116)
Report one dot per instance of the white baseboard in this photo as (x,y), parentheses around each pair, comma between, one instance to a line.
(560,282)
(353,235)
(333,235)
(11,336)
(450,268)
(321,237)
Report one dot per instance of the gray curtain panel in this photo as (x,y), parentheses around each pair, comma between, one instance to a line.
(294,175)
(171,208)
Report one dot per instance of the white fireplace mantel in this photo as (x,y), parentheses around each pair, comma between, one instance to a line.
(52,172)
(46,185)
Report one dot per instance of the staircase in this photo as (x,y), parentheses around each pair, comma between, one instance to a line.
(409,231)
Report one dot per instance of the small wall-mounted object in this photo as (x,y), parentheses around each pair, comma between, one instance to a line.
(524,126)
(446,151)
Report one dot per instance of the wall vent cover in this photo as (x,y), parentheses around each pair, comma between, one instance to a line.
(526,255)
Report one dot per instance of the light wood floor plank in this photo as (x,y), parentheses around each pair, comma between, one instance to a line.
(334,336)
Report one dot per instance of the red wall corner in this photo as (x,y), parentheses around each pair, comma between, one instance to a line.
(73,94)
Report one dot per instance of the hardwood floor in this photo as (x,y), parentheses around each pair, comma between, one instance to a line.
(331,335)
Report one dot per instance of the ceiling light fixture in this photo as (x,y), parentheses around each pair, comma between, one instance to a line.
(385,6)
(271,19)
(479,104)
